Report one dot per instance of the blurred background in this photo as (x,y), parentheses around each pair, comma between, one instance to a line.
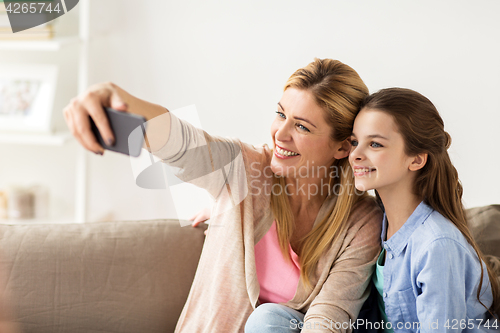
(231,59)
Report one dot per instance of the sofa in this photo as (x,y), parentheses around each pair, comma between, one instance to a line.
(128,276)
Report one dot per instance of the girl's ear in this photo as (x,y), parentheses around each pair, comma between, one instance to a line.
(342,149)
(418,162)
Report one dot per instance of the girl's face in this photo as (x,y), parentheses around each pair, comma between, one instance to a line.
(377,154)
(302,138)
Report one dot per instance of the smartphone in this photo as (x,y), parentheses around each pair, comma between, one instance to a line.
(128,129)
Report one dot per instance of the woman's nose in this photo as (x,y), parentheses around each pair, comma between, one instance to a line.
(283,133)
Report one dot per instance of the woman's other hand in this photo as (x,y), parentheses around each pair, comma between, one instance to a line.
(200,217)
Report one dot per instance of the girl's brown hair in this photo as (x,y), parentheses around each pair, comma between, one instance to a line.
(437,183)
(339,90)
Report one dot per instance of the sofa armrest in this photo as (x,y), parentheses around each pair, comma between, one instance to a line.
(130,276)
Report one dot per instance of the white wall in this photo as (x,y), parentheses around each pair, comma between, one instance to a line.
(232,58)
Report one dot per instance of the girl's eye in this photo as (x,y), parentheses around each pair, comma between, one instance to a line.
(354,143)
(376,145)
(281,114)
(302,127)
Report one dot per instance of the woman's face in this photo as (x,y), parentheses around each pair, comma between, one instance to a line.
(302,138)
(377,154)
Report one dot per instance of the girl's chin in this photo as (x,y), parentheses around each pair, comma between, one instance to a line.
(361,187)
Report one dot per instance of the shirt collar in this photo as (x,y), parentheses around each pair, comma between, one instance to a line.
(399,240)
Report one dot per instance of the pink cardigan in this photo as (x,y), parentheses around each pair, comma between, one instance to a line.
(225,289)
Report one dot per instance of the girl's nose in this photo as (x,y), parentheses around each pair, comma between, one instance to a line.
(356,154)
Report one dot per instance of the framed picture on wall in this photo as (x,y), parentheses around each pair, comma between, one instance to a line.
(26,97)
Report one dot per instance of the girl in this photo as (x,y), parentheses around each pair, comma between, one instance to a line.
(430,275)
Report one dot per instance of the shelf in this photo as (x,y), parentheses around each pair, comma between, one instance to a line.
(54,44)
(66,220)
(56,139)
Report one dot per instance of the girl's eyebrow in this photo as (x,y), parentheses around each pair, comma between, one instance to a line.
(372,136)
(307,121)
(377,136)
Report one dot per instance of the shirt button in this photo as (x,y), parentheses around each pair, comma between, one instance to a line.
(391,256)
(385,246)
(385,294)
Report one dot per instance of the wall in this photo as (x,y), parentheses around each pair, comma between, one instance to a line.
(231,60)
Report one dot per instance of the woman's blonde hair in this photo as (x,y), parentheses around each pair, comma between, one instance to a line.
(437,183)
(339,90)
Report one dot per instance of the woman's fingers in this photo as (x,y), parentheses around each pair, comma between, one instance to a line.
(83,132)
(197,220)
(91,104)
(200,217)
(94,108)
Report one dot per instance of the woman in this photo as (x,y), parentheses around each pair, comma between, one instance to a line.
(430,275)
(288,229)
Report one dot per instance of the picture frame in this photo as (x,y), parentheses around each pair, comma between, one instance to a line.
(27,94)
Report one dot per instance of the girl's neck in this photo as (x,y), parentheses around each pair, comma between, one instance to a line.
(398,205)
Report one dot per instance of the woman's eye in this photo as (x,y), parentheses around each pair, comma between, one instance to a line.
(302,127)
(281,114)
(376,145)
(354,143)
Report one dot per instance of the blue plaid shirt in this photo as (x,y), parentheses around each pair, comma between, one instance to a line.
(431,276)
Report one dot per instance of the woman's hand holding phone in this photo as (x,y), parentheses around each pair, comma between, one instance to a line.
(103,95)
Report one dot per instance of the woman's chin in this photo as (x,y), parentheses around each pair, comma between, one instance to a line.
(278,169)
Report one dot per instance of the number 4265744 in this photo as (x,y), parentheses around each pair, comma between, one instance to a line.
(32,8)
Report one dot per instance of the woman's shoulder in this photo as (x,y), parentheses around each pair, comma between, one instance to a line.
(367,208)
(256,157)
(365,219)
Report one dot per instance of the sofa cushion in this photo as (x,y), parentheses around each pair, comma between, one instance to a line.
(484,223)
(99,277)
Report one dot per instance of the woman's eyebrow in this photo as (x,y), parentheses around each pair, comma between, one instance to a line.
(307,121)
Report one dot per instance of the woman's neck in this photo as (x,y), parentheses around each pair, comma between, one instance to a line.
(306,195)
(398,205)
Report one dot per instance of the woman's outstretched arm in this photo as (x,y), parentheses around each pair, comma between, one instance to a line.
(209,162)
(91,103)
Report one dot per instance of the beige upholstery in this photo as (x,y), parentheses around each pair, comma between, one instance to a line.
(484,223)
(122,276)
(99,277)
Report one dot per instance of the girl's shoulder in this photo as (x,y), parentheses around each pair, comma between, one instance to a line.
(437,234)
(436,227)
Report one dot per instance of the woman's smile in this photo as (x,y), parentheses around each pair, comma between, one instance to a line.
(283,153)
(301,135)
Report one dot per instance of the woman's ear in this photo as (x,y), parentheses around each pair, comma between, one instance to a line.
(342,149)
(418,162)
